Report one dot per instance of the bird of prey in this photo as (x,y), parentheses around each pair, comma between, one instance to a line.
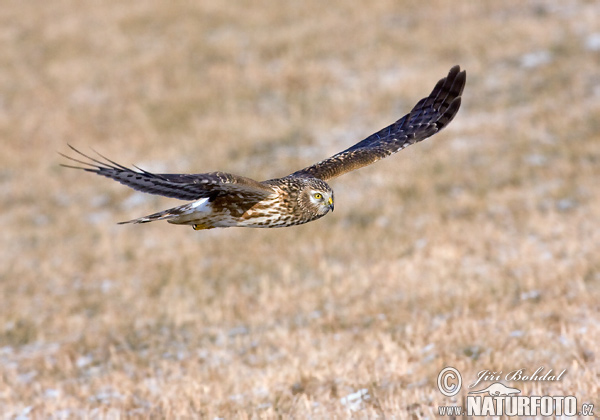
(220,199)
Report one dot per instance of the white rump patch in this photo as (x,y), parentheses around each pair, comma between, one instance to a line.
(200,203)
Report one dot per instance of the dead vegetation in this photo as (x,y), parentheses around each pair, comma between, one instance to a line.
(476,249)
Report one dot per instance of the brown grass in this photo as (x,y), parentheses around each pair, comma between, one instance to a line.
(477,249)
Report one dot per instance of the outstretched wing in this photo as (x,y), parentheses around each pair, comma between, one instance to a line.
(182,186)
(430,115)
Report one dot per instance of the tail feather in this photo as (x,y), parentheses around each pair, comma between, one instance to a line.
(168,214)
(162,215)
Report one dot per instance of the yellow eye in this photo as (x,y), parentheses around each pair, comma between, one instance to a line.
(318,196)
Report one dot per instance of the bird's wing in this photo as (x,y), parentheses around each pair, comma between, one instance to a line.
(181,186)
(429,115)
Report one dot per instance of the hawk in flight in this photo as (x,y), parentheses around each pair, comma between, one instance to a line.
(221,199)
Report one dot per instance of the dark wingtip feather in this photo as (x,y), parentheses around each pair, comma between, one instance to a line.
(450,113)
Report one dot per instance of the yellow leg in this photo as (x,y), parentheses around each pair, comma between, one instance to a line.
(201,227)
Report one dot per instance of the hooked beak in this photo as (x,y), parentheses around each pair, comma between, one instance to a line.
(331,203)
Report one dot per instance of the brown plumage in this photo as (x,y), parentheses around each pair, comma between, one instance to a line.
(224,200)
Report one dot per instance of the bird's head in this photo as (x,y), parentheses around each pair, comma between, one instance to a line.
(317,197)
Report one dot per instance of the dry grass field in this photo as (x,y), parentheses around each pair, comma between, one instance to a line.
(477,249)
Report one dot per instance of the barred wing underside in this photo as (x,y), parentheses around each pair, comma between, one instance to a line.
(182,186)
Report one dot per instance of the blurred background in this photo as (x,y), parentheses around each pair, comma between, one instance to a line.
(477,248)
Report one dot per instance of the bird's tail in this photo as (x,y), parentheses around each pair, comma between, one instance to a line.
(161,215)
(173,215)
